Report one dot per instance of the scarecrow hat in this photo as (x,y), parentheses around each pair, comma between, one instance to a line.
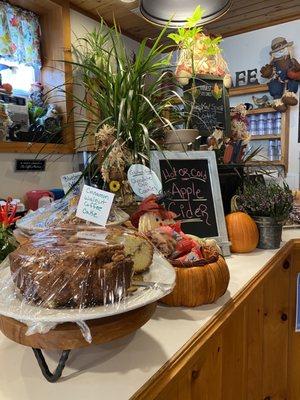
(279,43)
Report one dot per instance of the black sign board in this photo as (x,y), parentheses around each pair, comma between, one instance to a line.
(212,105)
(191,185)
(189,195)
(30,165)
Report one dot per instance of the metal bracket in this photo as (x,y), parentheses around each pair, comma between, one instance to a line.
(44,367)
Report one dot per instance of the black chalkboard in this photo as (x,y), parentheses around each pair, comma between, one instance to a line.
(212,105)
(187,186)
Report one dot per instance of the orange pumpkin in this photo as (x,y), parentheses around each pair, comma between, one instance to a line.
(242,232)
(198,285)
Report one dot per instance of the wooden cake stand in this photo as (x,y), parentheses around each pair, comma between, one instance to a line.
(68,336)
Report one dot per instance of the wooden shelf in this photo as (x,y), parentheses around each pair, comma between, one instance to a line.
(45,148)
(261,111)
(242,90)
(265,137)
(277,163)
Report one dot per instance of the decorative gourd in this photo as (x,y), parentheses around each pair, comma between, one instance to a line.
(242,232)
(201,284)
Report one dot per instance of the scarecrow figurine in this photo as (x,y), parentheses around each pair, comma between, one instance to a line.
(284,74)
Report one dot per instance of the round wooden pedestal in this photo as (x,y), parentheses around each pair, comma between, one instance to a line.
(68,335)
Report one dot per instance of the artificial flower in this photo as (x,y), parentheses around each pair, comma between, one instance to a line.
(7,215)
(217,92)
(114,186)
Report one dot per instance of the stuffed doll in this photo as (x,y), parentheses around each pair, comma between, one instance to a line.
(284,74)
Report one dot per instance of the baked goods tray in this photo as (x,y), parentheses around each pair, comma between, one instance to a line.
(156,283)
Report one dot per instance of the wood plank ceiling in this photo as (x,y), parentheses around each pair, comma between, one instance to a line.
(244,16)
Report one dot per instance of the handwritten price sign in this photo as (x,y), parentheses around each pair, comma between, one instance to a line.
(94,205)
(72,181)
(143,181)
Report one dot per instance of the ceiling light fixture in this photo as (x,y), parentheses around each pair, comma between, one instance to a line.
(160,12)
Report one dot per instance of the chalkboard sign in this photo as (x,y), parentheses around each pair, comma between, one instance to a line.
(30,165)
(212,105)
(191,185)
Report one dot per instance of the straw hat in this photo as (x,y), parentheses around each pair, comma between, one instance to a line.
(279,43)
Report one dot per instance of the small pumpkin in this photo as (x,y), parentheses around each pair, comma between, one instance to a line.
(242,232)
(200,284)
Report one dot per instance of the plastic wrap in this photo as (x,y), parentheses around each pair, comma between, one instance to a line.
(78,273)
(60,213)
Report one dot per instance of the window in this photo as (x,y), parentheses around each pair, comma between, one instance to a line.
(20,76)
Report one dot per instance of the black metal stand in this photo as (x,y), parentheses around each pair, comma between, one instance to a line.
(44,367)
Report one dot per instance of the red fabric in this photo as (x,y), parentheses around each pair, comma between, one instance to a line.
(295,75)
(150,205)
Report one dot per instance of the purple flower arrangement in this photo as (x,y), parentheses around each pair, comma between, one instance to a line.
(266,200)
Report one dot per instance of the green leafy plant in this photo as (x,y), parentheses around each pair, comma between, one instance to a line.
(8,243)
(186,35)
(122,90)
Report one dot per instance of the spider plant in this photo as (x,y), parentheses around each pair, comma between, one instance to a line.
(125,90)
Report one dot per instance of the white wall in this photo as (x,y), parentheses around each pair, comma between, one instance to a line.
(251,50)
(16,184)
(80,25)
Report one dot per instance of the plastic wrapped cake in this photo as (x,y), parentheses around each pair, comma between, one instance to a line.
(78,266)
(77,273)
(62,212)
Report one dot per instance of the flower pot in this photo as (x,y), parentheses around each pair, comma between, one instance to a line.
(179,139)
(270,232)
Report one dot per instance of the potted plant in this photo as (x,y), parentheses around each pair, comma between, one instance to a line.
(270,205)
(199,54)
(123,102)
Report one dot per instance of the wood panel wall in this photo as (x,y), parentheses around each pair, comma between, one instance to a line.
(253,353)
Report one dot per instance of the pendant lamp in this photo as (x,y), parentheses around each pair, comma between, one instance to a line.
(160,12)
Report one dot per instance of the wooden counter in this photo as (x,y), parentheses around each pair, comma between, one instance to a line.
(243,347)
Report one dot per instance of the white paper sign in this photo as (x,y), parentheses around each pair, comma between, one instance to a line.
(94,205)
(69,180)
(143,181)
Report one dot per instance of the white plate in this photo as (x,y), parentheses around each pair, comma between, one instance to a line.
(161,273)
